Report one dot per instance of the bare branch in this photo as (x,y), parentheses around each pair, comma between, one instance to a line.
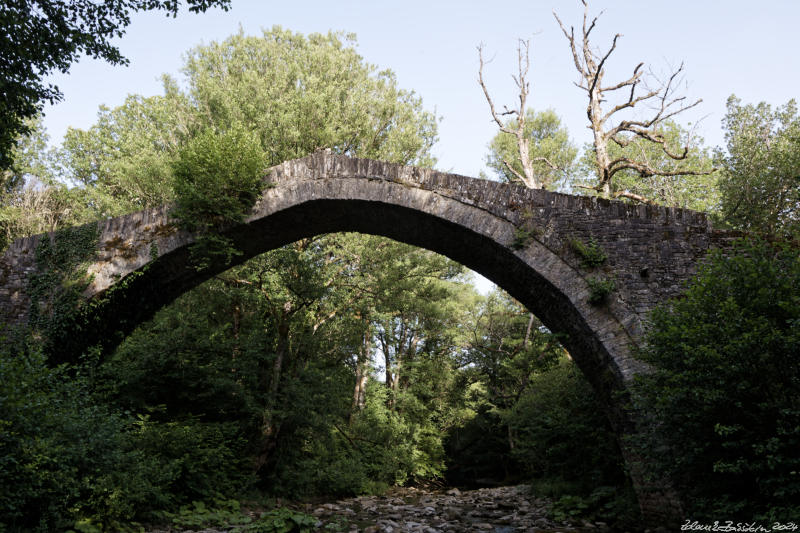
(665,105)
(486,93)
(635,126)
(599,71)
(513,171)
(633,80)
(629,103)
(634,196)
(571,38)
(645,170)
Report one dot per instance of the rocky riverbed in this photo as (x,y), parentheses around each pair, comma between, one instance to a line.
(491,510)
(401,510)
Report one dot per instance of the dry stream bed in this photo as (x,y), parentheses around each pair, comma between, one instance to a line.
(490,510)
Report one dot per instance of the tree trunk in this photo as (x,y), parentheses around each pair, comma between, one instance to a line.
(362,373)
(277,365)
(270,428)
(237,318)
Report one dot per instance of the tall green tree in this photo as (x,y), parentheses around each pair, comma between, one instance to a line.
(44,36)
(548,140)
(294,93)
(124,161)
(760,181)
(305,93)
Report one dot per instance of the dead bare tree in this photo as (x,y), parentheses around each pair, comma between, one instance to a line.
(660,96)
(529,177)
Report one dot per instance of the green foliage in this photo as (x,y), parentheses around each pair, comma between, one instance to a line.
(760,181)
(222,513)
(591,254)
(218,178)
(44,37)
(556,414)
(196,460)
(56,446)
(228,514)
(282,520)
(599,289)
(564,443)
(547,138)
(124,161)
(55,288)
(31,200)
(30,155)
(535,417)
(604,504)
(304,93)
(697,192)
(724,389)
(69,456)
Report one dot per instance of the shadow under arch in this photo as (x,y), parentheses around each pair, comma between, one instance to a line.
(120,308)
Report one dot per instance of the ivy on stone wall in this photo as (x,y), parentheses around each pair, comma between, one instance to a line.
(55,288)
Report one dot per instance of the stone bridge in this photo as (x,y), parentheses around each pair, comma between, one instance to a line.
(526,241)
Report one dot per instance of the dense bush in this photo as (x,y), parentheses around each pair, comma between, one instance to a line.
(565,444)
(58,449)
(217,180)
(65,455)
(562,432)
(724,391)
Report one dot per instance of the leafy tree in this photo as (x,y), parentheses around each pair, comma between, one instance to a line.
(535,417)
(547,140)
(565,445)
(505,348)
(760,181)
(535,166)
(723,394)
(295,94)
(31,159)
(305,93)
(124,161)
(694,191)
(43,36)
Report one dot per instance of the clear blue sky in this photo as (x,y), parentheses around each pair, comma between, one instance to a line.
(747,48)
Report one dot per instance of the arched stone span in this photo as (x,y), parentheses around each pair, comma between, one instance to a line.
(141,262)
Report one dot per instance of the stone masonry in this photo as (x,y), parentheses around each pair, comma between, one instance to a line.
(522,239)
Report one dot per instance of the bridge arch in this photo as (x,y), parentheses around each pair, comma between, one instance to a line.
(142,260)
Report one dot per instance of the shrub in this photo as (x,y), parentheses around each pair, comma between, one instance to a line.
(218,177)
(599,289)
(591,254)
(724,391)
(58,450)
